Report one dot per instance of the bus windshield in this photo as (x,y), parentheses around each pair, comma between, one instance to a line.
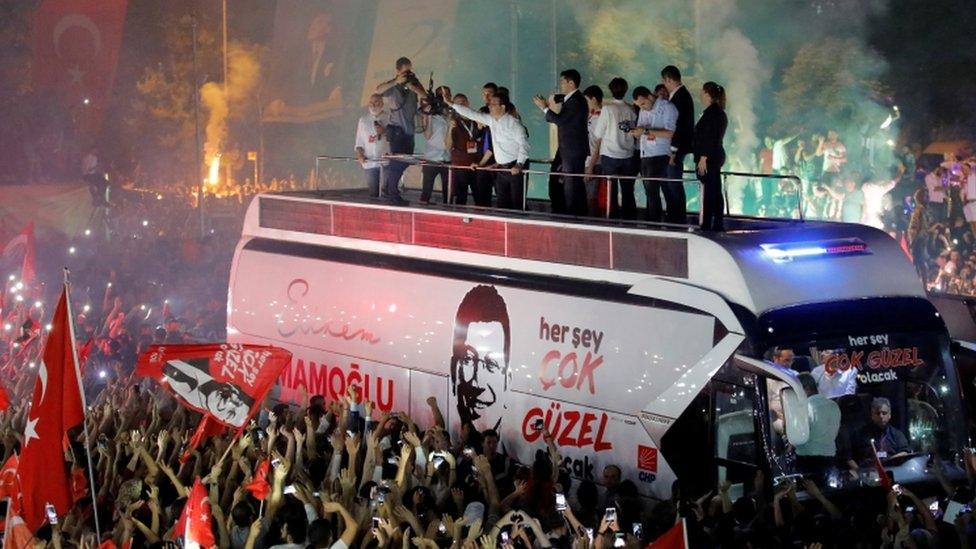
(883,394)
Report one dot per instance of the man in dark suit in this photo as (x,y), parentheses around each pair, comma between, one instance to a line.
(574,143)
(674,193)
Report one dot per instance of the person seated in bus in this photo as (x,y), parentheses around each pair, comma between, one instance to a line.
(817,454)
(888,441)
(834,382)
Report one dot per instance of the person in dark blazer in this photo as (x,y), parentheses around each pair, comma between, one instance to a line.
(680,97)
(574,144)
(710,154)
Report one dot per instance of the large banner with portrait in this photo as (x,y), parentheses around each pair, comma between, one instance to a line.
(225,382)
(509,358)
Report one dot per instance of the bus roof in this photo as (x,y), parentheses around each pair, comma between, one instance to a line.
(759,264)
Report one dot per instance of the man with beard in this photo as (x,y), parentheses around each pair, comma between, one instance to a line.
(370,144)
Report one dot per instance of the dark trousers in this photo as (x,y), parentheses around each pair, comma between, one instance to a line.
(462,179)
(484,182)
(400,143)
(509,188)
(557,197)
(674,193)
(429,174)
(628,204)
(567,195)
(373,181)
(713,202)
(654,167)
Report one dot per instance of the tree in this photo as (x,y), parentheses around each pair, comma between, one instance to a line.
(830,83)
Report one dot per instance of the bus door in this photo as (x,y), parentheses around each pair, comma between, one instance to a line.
(964,356)
(735,435)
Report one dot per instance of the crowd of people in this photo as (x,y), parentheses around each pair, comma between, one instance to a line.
(485,152)
(341,474)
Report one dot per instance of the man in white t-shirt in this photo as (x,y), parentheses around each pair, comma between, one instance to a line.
(616,147)
(834,154)
(935,185)
(371,144)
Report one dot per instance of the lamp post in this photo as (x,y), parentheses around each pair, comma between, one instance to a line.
(196,124)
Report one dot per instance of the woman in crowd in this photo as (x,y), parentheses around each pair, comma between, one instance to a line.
(710,154)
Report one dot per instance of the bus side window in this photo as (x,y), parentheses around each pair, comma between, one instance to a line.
(735,432)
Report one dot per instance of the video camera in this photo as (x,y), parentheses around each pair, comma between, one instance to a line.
(627,126)
(435,105)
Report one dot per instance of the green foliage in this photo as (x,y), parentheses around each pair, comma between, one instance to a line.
(828,82)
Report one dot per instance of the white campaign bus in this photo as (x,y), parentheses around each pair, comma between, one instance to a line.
(635,344)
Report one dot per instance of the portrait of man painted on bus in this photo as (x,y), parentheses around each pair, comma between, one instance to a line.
(479,361)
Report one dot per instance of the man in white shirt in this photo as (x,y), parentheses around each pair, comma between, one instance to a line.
(655,126)
(370,144)
(594,102)
(510,144)
(874,193)
(936,183)
(834,154)
(819,452)
(615,148)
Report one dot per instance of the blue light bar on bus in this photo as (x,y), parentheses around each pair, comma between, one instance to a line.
(788,251)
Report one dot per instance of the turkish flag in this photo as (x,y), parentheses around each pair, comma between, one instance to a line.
(23,241)
(76,51)
(56,406)
(8,478)
(4,398)
(259,486)
(225,382)
(79,484)
(16,534)
(675,538)
(883,477)
(195,523)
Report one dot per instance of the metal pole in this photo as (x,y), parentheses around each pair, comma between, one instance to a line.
(513,48)
(196,124)
(554,42)
(223,32)
(450,186)
(84,406)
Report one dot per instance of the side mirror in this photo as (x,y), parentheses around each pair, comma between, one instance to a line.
(796,416)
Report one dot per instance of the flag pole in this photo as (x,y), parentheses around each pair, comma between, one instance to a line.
(84,404)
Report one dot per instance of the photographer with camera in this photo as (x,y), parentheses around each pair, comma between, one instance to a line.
(511,146)
(401,93)
(615,147)
(436,148)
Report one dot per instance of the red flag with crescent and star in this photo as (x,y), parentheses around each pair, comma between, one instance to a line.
(195,523)
(76,51)
(56,406)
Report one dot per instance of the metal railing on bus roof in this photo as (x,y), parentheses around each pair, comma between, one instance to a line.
(418,160)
